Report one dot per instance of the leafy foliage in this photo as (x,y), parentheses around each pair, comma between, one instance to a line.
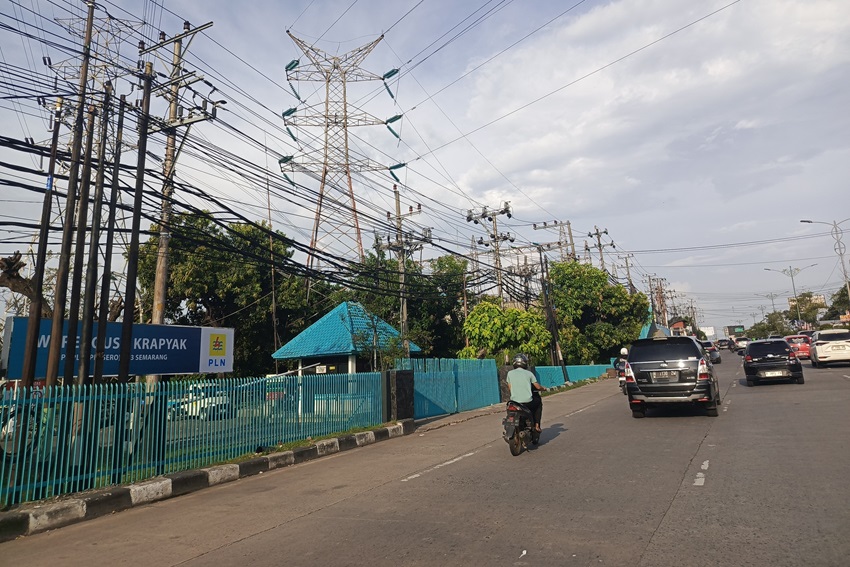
(219,278)
(595,318)
(501,332)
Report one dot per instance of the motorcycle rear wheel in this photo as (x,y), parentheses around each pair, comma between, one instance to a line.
(515,443)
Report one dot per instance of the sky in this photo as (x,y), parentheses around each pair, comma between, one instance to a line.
(697,134)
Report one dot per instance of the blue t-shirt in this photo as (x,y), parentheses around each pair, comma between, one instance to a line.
(520,380)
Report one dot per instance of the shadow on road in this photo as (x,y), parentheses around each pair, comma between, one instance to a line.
(549,433)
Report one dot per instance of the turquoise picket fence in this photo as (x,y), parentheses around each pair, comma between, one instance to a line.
(63,440)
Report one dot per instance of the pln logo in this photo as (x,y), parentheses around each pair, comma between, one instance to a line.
(218,345)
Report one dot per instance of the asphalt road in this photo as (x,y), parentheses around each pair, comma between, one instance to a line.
(765,483)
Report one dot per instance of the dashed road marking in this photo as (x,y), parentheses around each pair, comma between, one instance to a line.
(848,377)
(451,462)
(726,403)
(700,478)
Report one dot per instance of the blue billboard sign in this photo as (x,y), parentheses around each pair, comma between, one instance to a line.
(156,349)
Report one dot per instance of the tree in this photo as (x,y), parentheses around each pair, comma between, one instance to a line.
(808,308)
(501,332)
(221,276)
(595,318)
(773,324)
(434,301)
(839,305)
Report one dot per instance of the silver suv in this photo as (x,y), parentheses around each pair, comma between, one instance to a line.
(670,370)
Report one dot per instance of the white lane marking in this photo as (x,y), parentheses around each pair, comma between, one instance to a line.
(700,478)
(848,377)
(523,553)
(435,467)
(726,403)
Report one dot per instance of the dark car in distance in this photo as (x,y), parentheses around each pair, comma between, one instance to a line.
(670,370)
(771,359)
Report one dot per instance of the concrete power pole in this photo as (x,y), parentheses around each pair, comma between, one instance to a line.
(171,90)
(403,245)
(494,237)
(599,246)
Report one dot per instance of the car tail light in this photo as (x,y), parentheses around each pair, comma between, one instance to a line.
(630,376)
(703,371)
(748,358)
(792,358)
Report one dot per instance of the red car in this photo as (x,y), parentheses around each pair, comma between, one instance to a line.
(800,344)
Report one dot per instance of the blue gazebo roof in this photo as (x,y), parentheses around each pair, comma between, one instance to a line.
(340,332)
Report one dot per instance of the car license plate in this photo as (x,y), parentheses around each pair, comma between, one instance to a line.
(664,375)
(838,347)
(774,373)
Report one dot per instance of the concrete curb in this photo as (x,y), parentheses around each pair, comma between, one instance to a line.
(42,516)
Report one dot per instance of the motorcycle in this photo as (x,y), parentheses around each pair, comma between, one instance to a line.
(519,427)
(621,375)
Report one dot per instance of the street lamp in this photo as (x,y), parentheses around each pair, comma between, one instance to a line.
(837,232)
(793,272)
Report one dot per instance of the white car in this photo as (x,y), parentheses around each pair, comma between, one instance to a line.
(830,345)
(203,401)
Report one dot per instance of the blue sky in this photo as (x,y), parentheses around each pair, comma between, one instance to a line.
(675,126)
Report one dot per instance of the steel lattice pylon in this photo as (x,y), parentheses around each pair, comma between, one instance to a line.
(336,226)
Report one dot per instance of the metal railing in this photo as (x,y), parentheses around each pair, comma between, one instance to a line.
(63,440)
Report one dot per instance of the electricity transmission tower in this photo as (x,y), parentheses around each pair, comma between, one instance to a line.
(336,225)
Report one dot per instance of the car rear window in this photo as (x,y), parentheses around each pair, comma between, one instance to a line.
(798,340)
(843,336)
(664,350)
(771,347)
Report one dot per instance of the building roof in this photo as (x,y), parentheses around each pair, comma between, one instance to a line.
(347,329)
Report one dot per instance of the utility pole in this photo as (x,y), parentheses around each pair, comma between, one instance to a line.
(403,245)
(598,235)
(555,353)
(632,289)
(565,237)
(103,308)
(34,322)
(60,290)
(171,91)
(133,252)
(524,272)
(495,237)
(94,240)
(771,297)
(79,252)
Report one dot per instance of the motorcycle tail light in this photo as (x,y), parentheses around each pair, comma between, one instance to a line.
(630,376)
(512,407)
(703,371)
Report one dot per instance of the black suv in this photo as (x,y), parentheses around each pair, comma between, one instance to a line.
(771,359)
(668,370)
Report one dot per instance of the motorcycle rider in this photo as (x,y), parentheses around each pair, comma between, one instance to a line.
(522,383)
(620,365)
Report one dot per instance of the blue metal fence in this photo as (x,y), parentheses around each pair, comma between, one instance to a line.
(451,385)
(63,440)
(553,376)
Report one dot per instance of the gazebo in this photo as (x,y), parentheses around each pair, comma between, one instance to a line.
(334,344)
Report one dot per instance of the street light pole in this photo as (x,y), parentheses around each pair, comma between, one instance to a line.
(837,233)
(793,272)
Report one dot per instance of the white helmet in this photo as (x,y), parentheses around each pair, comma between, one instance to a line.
(624,351)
